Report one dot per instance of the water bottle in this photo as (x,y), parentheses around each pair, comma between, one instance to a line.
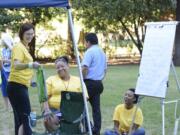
(33,119)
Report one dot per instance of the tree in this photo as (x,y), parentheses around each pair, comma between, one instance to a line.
(14,17)
(70,48)
(177,39)
(40,15)
(129,15)
(10,18)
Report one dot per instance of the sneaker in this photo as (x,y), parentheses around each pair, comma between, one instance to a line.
(33,84)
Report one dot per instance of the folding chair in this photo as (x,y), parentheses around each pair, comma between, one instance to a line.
(72,109)
(73,114)
(42,95)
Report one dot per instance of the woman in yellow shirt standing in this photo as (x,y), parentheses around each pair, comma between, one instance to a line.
(22,66)
(123,116)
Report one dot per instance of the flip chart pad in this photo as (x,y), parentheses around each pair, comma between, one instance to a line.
(156,59)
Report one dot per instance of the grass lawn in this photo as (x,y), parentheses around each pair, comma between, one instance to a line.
(118,80)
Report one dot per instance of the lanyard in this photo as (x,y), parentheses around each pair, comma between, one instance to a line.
(66,86)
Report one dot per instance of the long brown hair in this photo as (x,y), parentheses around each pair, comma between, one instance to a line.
(23,28)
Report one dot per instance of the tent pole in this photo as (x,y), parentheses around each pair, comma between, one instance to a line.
(79,67)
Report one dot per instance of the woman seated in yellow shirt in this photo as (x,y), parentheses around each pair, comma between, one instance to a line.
(62,81)
(123,116)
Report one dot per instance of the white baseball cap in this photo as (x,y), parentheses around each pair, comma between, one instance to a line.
(7,39)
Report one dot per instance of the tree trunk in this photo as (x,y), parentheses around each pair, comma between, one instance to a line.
(138,45)
(176,59)
(81,37)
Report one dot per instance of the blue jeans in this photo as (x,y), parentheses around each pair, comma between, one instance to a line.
(110,132)
(139,131)
(4,78)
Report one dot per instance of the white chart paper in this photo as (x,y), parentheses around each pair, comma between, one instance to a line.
(156,59)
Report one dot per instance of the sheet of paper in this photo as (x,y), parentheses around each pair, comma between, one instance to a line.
(156,60)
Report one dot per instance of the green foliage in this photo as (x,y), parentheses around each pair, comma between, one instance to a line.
(121,43)
(13,17)
(10,18)
(54,44)
(128,15)
(81,48)
(43,15)
(100,14)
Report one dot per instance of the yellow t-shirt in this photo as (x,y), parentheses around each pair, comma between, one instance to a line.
(124,117)
(55,85)
(19,52)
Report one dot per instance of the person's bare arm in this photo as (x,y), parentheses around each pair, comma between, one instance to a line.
(134,127)
(1,64)
(6,60)
(46,106)
(20,66)
(46,111)
(116,126)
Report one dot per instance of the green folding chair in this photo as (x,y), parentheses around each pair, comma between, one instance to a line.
(73,114)
(72,109)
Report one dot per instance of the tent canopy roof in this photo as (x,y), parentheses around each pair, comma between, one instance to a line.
(33,3)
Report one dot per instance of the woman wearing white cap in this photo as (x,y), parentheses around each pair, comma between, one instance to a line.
(7,43)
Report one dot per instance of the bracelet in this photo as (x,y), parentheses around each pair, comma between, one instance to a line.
(30,65)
